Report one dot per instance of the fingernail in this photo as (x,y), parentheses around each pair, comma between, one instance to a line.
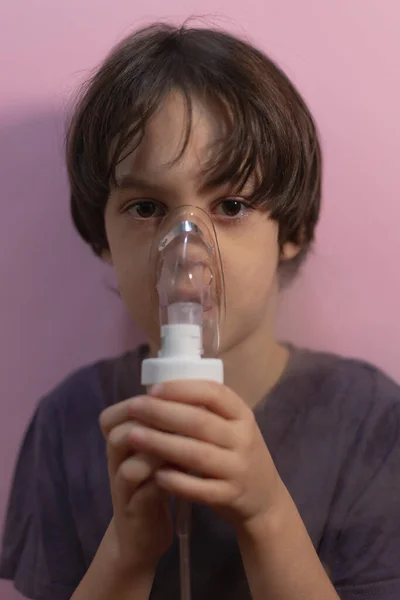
(156,389)
(136,433)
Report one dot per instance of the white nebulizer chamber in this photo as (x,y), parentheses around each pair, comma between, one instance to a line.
(190,288)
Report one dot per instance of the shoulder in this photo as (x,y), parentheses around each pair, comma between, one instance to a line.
(361,538)
(354,407)
(353,385)
(344,405)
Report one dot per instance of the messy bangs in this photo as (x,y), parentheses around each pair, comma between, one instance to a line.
(268,133)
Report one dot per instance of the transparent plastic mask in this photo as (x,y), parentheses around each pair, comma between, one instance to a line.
(189,281)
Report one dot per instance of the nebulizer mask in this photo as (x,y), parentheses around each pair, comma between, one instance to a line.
(189,285)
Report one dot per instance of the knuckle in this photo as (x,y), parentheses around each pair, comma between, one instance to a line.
(241,435)
(127,474)
(201,459)
(241,469)
(109,453)
(249,417)
(202,425)
(248,431)
(218,390)
(234,492)
(113,440)
(125,471)
(103,421)
(253,422)
(213,392)
(131,403)
(119,480)
(224,495)
(188,456)
(149,409)
(120,486)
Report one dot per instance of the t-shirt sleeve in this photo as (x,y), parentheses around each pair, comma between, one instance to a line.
(366,522)
(41,552)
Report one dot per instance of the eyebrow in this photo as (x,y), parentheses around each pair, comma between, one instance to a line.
(128,182)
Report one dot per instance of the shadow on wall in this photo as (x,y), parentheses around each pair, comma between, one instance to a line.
(57,309)
(55,302)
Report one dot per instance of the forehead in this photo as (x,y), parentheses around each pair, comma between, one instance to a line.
(164,138)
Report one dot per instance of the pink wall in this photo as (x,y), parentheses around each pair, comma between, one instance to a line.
(56,309)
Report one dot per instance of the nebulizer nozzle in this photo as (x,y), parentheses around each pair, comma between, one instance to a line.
(190,289)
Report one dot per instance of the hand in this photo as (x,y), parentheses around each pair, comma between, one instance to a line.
(215,456)
(142,524)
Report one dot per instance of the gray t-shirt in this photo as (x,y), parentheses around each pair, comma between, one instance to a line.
(332,426)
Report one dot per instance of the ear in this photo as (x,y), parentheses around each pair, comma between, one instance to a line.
(289,251)
(106,256)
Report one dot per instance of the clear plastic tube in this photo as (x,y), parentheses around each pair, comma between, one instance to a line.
(183,521)
(189,283)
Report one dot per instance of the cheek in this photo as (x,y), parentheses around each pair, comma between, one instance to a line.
(250,284)
(132,270)
(130,257)
(250,272)
(134,286)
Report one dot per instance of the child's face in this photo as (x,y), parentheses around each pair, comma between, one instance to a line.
(248,240)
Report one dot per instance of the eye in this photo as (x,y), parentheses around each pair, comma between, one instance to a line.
(143,210)
(232,208)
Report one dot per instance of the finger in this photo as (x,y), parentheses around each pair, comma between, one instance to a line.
(183,419)
(152,500)
(115,415)
(133,473)
(218,398)
(119,445)
(187,453)
(213,492)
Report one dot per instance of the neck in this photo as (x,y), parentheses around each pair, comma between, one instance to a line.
(255,365)
(253,368)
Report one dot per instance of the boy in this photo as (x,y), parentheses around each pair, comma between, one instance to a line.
(298,453)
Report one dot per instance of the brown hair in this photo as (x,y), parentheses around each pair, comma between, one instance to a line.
(271,132)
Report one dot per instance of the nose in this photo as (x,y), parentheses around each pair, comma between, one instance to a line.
(182,229)
(185,281)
